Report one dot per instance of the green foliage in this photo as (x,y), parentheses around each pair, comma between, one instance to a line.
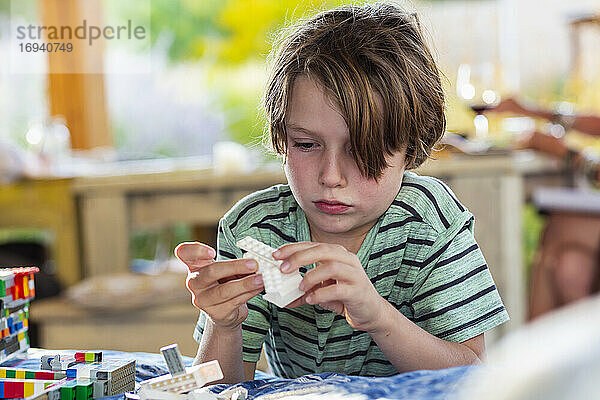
(190,24)
(146,244)
(233,37)
(533,224)
(25,235)
(226,31)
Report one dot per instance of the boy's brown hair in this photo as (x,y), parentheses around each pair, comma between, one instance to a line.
(374,63)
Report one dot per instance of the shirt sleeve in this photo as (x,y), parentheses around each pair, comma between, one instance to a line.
(258,322)
(454,296)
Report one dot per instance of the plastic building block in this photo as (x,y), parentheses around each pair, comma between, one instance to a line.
(46,360)
(16,291)
(30,374)
(67,391)
(118,375)
(101,389)
(84,389)
(151,394)
(194,377)
(88,356)
(51,392)
(173,359)
(281,289)
(55,363)
(92,379)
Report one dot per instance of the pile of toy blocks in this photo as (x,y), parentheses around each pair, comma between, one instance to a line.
(20,383)
(67,378)
(17,289)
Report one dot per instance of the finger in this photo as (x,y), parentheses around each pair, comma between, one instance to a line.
(328,294)
(335,306)
(229,291)
(320,253)
(232,278)
(194,284)
(221,310)
(226,270)
(288,249)
(326,274)
(297,303)
(194,253)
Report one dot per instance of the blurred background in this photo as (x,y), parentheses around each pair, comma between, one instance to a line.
(114,153)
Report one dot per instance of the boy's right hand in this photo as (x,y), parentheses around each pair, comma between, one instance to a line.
(219,288)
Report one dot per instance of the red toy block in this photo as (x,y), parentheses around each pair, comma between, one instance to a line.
(14,390)
(44,375)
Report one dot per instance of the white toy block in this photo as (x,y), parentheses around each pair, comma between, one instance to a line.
(173,359)
(195,377)
(153,394)
(281,289)
(146,393)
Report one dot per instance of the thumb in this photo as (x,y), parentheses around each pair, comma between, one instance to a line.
(195,254)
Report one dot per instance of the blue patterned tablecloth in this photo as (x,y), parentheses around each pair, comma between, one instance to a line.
(417,385)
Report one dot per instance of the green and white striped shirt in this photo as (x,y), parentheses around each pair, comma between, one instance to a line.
(421,256)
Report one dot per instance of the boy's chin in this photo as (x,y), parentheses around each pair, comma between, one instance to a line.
(330,225)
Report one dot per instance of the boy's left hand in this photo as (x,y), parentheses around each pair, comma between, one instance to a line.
(338,282)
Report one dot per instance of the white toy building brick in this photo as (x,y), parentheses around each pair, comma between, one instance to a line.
(281,289)
(173,359)
(194,377)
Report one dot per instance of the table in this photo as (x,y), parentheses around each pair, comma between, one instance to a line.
(95,212)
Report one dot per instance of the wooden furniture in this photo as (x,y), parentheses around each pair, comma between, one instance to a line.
(61,325)
(47,205)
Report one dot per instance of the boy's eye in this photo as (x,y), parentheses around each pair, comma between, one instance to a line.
(304,146)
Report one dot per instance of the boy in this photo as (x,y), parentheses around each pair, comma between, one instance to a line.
(400,284)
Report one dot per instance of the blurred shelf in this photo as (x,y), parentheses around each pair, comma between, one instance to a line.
(63,325)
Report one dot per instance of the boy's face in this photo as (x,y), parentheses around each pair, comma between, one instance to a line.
(340,203)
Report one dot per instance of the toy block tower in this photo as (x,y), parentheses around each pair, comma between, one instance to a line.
(17,289)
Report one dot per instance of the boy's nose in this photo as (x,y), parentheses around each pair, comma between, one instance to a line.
(331,173)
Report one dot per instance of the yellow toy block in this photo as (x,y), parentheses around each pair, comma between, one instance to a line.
(28,389)
(25,287)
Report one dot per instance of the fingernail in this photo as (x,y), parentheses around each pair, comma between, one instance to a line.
(285,266)
(276,253)
(258,280)
(212,253)
(301,286)
(251,264)
(309,299)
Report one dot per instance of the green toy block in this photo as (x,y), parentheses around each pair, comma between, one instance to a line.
(67,393)
(84,391)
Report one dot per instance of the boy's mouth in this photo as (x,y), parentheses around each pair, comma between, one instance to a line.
(331,206)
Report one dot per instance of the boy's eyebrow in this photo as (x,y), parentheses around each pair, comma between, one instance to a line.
(301,129)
